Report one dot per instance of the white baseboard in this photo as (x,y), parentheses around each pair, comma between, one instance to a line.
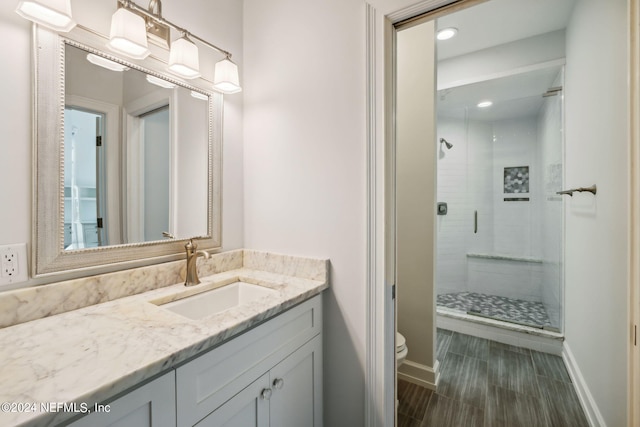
(419,374)
(582,390)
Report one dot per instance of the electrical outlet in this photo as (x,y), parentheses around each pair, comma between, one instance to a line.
(13,263)
(9,263)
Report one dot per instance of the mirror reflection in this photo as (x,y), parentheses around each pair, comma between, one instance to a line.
(135,155)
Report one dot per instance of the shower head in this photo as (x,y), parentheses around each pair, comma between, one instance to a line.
(447,143)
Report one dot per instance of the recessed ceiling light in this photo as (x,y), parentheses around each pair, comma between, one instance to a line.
(446,33)
(484,104)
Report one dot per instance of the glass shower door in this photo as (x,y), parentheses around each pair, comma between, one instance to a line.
(500,247)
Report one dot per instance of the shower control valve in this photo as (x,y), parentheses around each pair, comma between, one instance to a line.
(442,208)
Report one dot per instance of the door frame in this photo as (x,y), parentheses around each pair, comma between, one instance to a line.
(633,402)
(380,25)
(111,160)
(133,162)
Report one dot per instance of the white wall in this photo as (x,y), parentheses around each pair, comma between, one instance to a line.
(15,121)
(597,152)
(305,157)
(191,158)
(157,147)
(219,21)
(416,153)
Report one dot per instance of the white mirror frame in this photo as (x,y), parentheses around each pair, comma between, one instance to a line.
(48,254)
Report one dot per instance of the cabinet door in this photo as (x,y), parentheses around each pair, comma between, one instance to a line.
(249,408)
(208,381)
(152,405)
(297,388)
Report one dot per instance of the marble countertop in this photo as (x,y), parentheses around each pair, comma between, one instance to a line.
(90,354)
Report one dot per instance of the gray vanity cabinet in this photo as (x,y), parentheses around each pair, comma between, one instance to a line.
(151,405)
(289,395)
(270,375)
(247,409)
(297,391)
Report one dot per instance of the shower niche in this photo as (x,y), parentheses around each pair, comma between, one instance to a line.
(500,250)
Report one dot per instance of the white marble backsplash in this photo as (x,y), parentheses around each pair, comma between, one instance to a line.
(308,268)
(23,305)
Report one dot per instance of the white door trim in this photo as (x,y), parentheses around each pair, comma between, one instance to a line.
(380,377)
(633,405)
(380,363)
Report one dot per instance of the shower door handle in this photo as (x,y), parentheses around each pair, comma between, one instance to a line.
(475,222)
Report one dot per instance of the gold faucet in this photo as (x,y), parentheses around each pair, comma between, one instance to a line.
(192,262)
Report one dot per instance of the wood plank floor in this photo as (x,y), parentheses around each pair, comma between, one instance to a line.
(488,384)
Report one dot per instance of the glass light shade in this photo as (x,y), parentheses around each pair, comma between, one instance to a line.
(225,77)
(183,58)
(199,95)
(159,82)
(54,14)
(106,63)
(128,34)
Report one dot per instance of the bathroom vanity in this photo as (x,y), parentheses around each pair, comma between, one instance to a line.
(268,376)
(135,361)
(135,347)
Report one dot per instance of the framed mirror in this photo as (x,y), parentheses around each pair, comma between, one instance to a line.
(127,158)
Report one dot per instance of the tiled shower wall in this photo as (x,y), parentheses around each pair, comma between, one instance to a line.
(453,227)
(470,178)
(516,224)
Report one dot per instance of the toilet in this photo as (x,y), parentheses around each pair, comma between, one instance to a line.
(401,349)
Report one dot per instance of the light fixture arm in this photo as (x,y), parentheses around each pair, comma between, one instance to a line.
(128,4)
(155,7)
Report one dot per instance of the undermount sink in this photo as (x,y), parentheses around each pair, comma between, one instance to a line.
(218,300)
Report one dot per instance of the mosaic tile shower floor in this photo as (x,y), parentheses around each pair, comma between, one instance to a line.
(502,308)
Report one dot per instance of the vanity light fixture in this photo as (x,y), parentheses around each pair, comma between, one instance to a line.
(199,95)
(484,104)
(226,76)
(183,58)
(106,63)
(130,27)
(128,34)
(446,33)
(159,82)
(54,14)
